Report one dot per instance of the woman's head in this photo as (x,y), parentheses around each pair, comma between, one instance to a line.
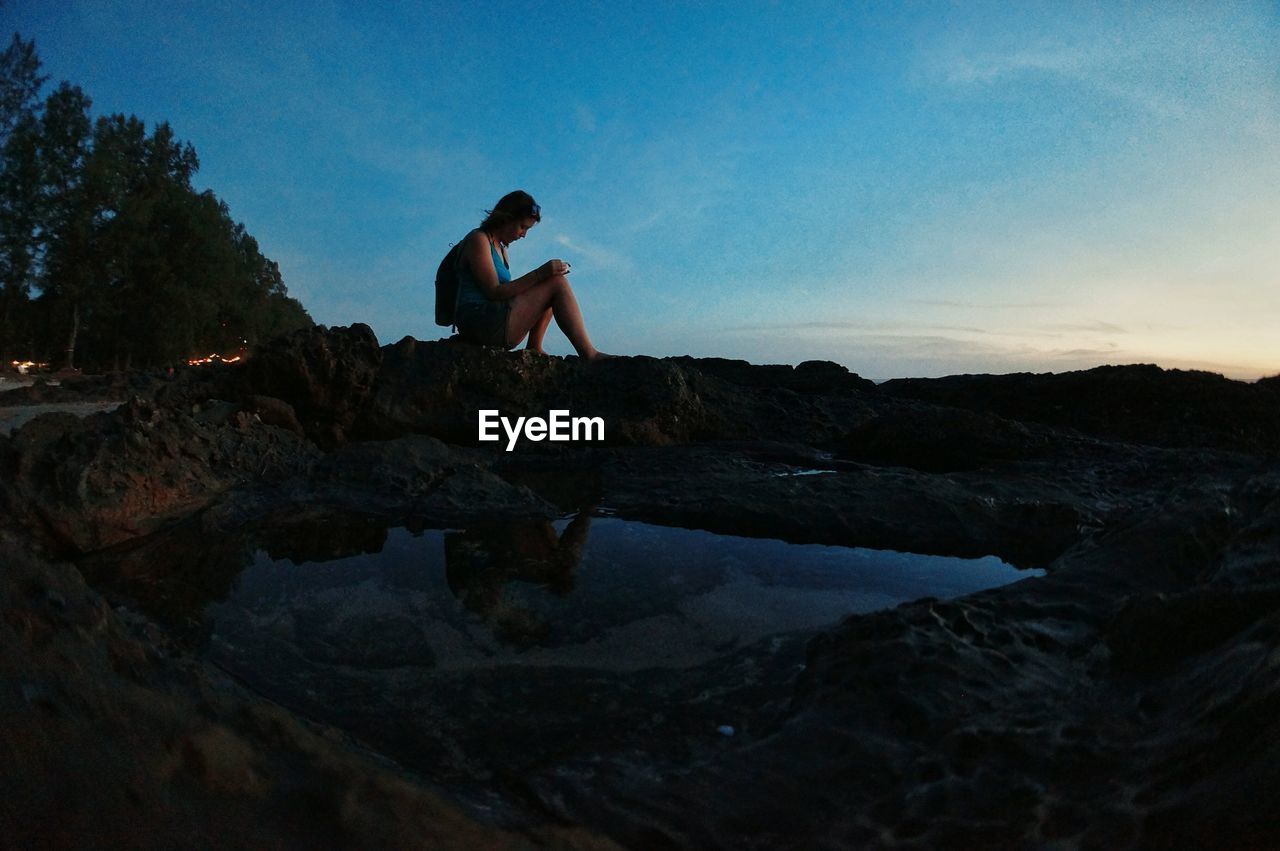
(512,216)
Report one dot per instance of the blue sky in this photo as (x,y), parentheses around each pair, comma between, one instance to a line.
(904,188)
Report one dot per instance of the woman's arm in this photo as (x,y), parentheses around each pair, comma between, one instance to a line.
(480,261)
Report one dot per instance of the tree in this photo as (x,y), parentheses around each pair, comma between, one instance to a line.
(132,266)
(66,212)
(20,83)
(137,183)
(177,275)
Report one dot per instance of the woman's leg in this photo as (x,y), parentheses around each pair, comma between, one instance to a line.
(556,294)
(538,332)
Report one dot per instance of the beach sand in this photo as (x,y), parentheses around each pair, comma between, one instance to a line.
(14,416)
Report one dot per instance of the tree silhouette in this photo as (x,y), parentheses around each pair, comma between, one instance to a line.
(130,266)
(20,83)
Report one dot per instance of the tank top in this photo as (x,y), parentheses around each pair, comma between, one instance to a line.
(469,291)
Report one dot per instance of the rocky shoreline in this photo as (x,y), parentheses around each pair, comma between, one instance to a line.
(1124,699)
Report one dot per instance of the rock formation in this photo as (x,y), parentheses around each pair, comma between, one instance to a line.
(1125,698)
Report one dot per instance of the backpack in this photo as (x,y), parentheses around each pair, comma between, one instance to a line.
(447,286)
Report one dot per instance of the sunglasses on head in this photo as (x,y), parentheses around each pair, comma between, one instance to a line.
(535,209)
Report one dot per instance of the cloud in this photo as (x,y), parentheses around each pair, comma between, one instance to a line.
(973,305)
(1095,327)
(1151,64)
(987,69)
(600,258)
(1104,352)
(875,326)
(851,325)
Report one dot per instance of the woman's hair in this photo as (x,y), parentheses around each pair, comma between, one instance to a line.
(512,206)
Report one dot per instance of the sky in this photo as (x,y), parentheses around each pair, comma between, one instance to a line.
(907,189)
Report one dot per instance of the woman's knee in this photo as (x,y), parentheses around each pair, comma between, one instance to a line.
(559,284)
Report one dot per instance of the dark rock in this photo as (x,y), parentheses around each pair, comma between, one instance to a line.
(82,484)
(811,377)
(192,758)
(1128,697)
(884,508)
(326,375)
(927,437)
(275,412)
(1154,634)
(438,388)
(1141,403)
(416,475)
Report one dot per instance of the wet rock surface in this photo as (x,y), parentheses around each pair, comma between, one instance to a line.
(1126,698)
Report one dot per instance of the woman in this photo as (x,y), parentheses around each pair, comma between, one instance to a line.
(497,310)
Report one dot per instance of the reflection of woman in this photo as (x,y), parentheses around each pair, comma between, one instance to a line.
(495,309)
(479,563)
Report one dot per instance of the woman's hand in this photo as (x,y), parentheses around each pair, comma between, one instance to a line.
(552,268)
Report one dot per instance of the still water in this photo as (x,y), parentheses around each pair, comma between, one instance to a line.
(589,592)
(499,657)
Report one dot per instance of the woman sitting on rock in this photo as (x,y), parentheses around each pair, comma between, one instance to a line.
(497,310)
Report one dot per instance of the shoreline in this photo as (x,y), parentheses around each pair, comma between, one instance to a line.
(14,417)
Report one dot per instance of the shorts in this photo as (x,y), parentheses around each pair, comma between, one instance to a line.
(485,323)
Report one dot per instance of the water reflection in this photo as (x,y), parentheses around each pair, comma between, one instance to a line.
(503,647)
(602,592)
(598,593)
(175,575)
(480,562)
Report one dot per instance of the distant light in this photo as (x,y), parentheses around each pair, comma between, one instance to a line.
(211,359)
